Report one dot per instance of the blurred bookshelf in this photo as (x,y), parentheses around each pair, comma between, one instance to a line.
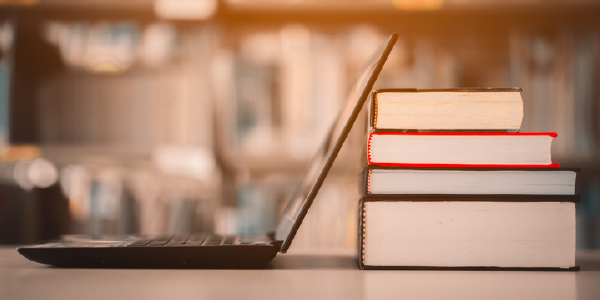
(197,121)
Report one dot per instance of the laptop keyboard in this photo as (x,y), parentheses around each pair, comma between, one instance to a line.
(196,240)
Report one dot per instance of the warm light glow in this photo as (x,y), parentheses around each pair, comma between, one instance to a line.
(106,67)
(418,4)
(19,2)
(15,153)
(185,9)
(42,173)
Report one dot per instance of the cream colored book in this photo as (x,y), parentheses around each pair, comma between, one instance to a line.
(468,109)
(466,232)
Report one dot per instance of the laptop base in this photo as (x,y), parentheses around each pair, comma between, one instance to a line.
(104,255)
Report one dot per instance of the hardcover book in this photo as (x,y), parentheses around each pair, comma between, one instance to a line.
(461,109)
(490,181)
(460,149)
(470,232)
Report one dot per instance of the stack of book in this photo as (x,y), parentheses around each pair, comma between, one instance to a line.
(452,183)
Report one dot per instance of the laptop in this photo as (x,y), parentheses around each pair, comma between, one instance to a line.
(213,251)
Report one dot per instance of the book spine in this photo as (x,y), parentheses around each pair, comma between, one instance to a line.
(361,234)
(368,172)
(373,110)
(369,144)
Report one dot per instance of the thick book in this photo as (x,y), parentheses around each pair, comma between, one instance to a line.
(460,149)
(468,109)
(473,181)
(474,232)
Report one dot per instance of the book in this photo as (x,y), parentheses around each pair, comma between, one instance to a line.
(467,233)
(488,109)
(460,149)
(491,181)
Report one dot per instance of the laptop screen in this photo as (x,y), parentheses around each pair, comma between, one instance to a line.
(315,174)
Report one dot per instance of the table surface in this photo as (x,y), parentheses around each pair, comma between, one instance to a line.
(293,276)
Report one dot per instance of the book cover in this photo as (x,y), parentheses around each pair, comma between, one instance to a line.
(460,149)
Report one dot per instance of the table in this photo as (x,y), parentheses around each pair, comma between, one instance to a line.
(293,276)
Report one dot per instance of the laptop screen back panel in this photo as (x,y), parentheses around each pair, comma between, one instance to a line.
(315,174)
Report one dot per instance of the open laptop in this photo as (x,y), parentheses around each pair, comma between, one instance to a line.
(212,251)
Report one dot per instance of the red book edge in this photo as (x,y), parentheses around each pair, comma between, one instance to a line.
(552,165)
(551,134)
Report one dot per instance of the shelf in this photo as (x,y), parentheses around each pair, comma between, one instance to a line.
(325,12)
(485,16)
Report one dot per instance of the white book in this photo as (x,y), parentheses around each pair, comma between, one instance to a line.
(467,234)
(524,181)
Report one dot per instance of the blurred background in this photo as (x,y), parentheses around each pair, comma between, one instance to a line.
(184,116)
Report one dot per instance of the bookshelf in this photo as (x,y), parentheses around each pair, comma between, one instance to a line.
(249,62)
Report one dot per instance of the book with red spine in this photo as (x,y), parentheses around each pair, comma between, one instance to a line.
(461,149)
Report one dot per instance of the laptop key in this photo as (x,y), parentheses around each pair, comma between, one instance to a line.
(229,240)
(159,242)
(253,241)
(213,240)
(177,241)
(140,243)
(195,240)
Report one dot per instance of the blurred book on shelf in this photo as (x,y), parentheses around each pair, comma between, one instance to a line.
(285,86)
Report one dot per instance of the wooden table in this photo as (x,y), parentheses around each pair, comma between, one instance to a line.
(293,276)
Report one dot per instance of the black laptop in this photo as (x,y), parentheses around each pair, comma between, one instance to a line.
(214,251)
